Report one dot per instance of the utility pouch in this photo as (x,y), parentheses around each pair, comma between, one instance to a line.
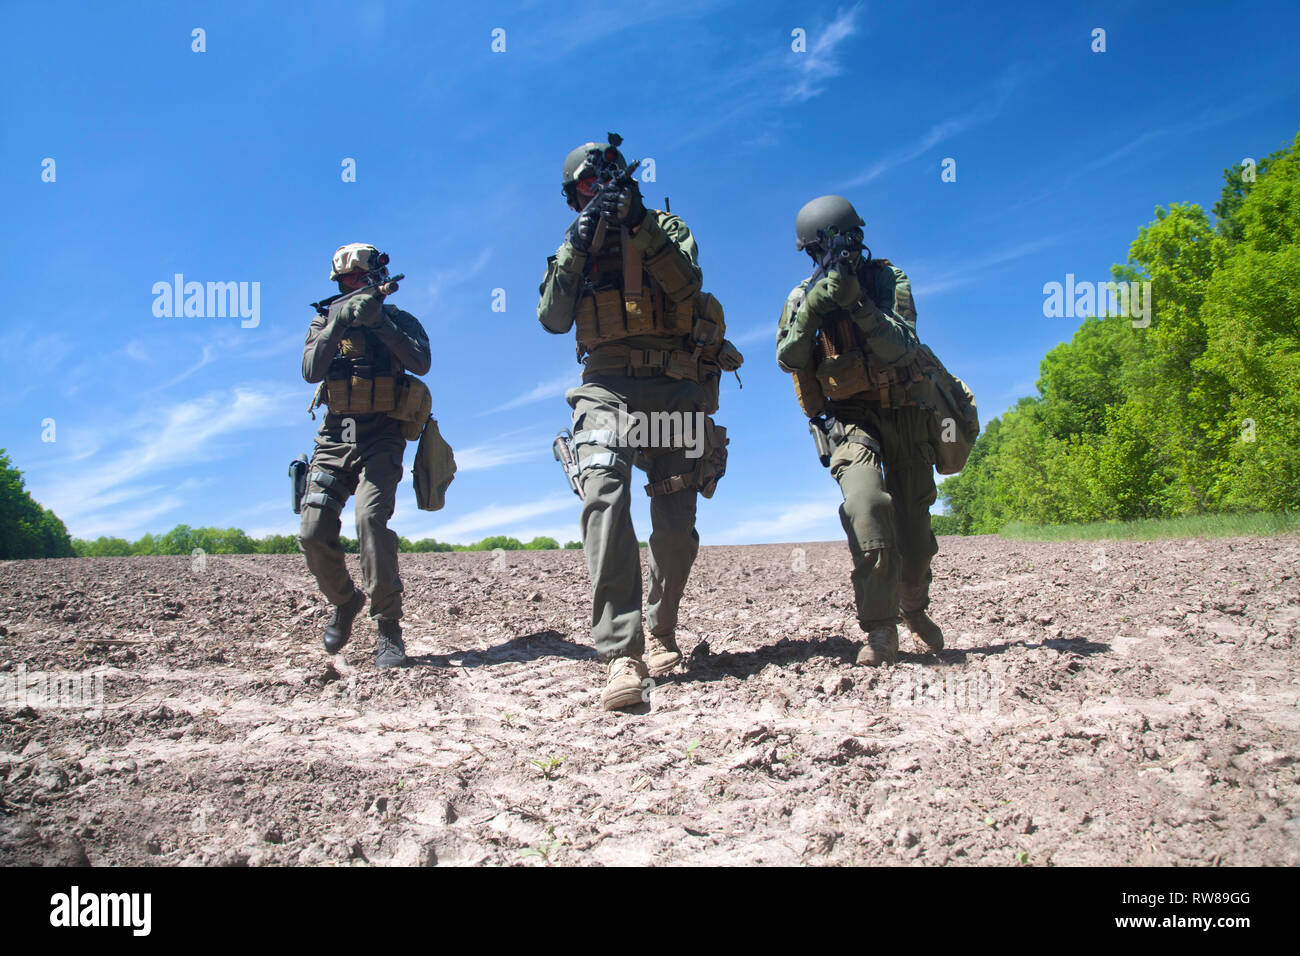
(297,482)
(361,391)
(385,393)
(678,317)
(682,364)
(844,375)
(808,391)
(413,405)
(336,394)
(639,308)
(585,318)
(668,267)
(610,324)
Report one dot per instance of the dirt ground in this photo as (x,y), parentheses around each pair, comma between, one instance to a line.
(1098,703)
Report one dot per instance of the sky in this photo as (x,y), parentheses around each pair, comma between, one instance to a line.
(228,165)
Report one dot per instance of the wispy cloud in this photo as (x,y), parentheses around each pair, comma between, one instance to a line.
(542,390)
(158,441)
(821,62)
(974,270)
(946,129)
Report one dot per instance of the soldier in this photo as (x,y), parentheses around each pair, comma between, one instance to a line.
(359,351)
(628,278)
(848,333)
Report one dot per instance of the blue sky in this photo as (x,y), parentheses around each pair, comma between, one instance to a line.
(225,166)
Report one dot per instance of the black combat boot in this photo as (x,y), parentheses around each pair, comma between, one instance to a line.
(389,649)
(339,629)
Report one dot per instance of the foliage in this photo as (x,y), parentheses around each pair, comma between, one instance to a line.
(1197,413)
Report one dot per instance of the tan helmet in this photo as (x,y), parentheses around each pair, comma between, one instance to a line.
(356,257)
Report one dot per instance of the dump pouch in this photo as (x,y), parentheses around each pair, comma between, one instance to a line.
(435,467)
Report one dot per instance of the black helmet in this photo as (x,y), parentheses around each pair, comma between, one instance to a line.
(578,164)
(823,217)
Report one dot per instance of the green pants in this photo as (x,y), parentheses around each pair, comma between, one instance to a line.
(370,468)
(887,515)
(606,480)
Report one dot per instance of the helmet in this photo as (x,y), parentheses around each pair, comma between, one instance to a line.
(356,257)
(819,218)
(578,164)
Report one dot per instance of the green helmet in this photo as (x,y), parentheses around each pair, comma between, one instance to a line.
(824,216)
(577,164)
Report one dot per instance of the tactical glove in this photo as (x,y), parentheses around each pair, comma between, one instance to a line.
(623,207)
(583,229)
(363,310)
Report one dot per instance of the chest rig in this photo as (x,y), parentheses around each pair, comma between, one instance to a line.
(626,297)
(363,377)
(844,369)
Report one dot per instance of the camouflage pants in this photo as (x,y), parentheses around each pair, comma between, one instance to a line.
(608,539)
(370,468)
(887,515)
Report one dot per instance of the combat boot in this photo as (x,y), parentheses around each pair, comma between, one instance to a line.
(389,649)
(339,629)
(925,633)
(881,647)
(624,687)
(661,655)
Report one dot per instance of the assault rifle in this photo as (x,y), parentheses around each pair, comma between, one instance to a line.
(611,176)
(377,280)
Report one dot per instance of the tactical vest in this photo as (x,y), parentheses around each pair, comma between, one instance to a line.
(622,299)
(843,370)
(364,377)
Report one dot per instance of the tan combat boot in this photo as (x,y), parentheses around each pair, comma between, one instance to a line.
(624,687)
(881,647)
(925,633)
(661,655)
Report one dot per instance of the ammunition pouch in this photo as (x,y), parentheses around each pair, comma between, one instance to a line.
(843,376)
(678,282)
(808,391)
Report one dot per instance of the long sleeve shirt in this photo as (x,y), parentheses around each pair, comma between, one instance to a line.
(878,295)
(562,286)
(400,332)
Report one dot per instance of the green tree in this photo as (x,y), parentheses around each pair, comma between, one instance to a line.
(26,529)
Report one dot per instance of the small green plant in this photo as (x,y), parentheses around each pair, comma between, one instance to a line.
(508,719)
(545,849)
(548,766)
(1022,858)
(690,751)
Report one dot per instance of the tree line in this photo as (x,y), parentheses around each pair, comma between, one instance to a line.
(1197,413)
